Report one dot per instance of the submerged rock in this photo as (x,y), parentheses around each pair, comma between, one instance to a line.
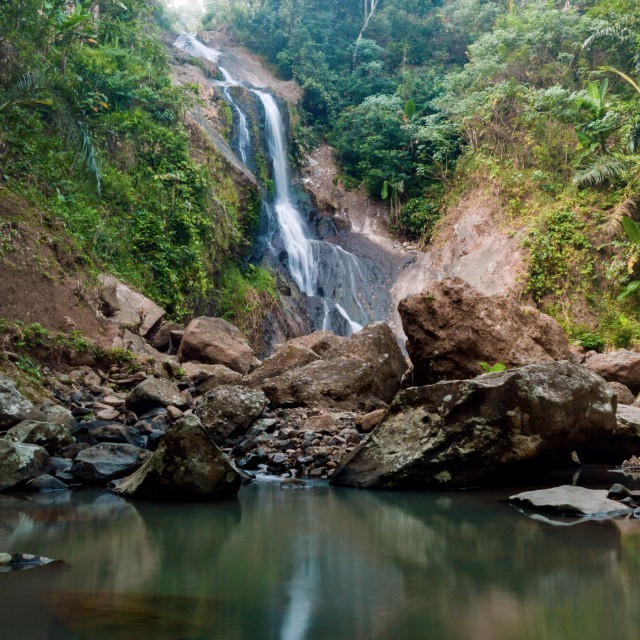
(216,341)
(571,501)
(18,561)
(186,466)
(452,326)
(482,431)
(20,462)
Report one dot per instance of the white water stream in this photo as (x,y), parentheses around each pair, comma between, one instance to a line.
(320,269)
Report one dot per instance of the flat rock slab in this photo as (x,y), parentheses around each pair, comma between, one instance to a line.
(571,501)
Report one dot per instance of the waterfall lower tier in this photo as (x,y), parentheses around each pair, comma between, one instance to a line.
(342,293)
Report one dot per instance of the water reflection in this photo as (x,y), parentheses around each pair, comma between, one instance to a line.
(316,564)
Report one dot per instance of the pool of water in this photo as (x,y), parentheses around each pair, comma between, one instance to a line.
(319,563)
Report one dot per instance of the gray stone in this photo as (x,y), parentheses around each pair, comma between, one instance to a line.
(483,431)
(571,501)
(52,437)
(107,461)
(209,376)
(230,410)
(152,393)
(618,492)
(186,466)
(46,482)
(20,462)
(13,406)
(57,415)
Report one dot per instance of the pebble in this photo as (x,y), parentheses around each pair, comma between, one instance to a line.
(108,414)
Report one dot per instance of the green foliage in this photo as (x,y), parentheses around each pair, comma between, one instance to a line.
(561,256)
(245,297)
(591,341)
(495,368)
(91,131)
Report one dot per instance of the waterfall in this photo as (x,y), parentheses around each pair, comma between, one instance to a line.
(322,270)
(244,135)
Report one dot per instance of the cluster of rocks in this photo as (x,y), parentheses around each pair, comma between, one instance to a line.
(152,432)
(189,425)
(460,430)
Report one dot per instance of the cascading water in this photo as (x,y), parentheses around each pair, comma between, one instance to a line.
(322,270)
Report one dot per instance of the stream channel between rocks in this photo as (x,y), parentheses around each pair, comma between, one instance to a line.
(313,564)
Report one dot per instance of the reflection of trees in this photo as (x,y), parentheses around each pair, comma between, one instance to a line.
(327,563)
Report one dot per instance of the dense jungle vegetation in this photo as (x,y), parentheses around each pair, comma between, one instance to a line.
(92,132)
(534,101)
(537,100)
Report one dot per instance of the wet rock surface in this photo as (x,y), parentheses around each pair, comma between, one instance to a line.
(20,462)
(107,461)
(571,501)
(481,431)
(186,466)
(451,327)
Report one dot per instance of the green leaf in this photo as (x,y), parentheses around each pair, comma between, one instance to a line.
(409,109)
(385,190)
(629,289)
(632,229)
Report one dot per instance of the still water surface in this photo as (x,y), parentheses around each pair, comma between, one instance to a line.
(319,563)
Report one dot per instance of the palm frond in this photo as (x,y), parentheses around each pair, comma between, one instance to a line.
(626,207)
(77,138)
(610,35)
(602,170)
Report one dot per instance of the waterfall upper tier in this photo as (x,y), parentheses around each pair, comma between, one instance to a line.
(344,279)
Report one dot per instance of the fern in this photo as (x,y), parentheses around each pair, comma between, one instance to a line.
(604,169)
(47,82)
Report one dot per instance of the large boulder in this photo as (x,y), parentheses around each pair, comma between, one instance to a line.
(152,393)
(128,308)
(319,341)
(568,500)
(208,376)
(186,466)
(288,356)
(215,341)
(108,461)
(451,327)
(52,437)
(20,462)
(494,428)
(14,407)
(615,446)
(229,410)
(363,374)
(621,366)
